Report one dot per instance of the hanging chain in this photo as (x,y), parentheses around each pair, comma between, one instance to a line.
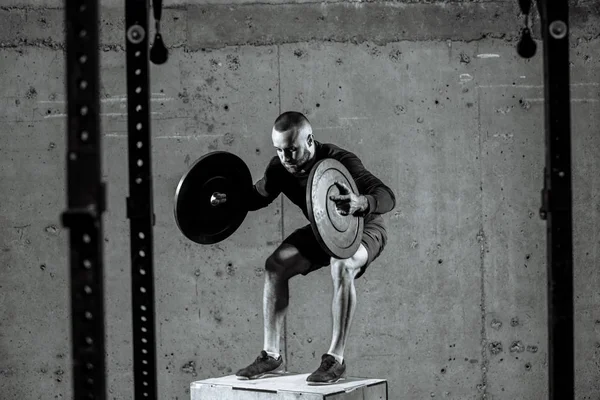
(526,46)
(158,52)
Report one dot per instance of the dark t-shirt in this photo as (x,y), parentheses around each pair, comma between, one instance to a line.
(277,180)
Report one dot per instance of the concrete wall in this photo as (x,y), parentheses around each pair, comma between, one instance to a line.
(434,99)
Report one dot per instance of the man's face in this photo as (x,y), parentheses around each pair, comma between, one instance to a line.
(293,149)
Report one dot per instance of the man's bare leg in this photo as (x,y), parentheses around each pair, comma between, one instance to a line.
(285,264)
(342,309)
(343,305)
(276,298)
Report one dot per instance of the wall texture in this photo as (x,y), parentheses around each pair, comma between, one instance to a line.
(431,95)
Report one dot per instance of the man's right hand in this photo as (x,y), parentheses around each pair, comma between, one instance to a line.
(218,198)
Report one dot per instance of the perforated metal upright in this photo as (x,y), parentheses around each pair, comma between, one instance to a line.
(85,198)
(557,198)
(139,203)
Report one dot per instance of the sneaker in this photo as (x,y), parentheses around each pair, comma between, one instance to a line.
(330,371)
(263,365)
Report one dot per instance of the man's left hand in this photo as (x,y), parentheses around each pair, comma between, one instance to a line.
(348,203)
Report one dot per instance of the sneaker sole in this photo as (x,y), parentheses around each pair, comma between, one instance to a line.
(341,378)
(276,371)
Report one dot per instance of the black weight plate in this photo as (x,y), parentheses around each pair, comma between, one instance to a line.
(196,217)
(339,235)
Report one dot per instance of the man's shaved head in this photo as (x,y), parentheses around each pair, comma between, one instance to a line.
(292,137)
(292,121)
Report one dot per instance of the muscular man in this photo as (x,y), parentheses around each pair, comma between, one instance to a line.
(300,253)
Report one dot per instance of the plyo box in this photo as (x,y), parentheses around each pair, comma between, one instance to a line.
(287,386)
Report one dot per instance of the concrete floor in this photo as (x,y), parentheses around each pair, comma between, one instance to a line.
(431,95)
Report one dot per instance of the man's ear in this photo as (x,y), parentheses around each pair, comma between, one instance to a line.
(310,139)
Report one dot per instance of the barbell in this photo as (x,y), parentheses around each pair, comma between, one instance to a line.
(204,220)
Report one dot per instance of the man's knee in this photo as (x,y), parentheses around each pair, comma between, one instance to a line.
(275,263)
(286,261)
(347,269)
(344,270)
